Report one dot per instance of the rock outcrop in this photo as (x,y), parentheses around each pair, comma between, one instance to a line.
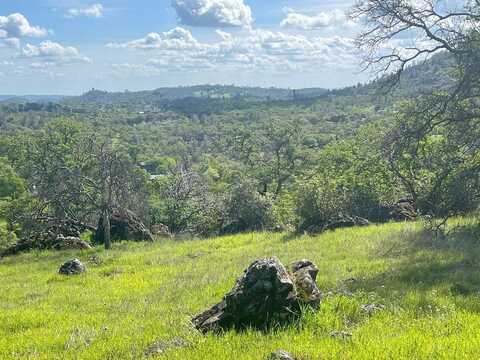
(161,231)
(52,234)
(124,225)
(266,293)
(403,210)
(72,267)
(345,221)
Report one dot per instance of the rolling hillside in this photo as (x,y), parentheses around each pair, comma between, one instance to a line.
(390,292)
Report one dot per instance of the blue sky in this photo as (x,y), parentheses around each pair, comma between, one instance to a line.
(70,46)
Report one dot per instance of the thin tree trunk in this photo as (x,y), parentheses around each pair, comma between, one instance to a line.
(106,228)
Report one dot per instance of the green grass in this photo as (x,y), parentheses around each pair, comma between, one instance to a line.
(138,295)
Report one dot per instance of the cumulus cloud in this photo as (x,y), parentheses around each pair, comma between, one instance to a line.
(17,26)
(52,52)
(95,10)
(213,13)
(320,21)
(254,50)
(175,39)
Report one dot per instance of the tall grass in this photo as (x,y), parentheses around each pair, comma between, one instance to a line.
(136,300)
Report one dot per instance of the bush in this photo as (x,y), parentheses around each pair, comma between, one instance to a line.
(248,210)
(7,238)
(318,201)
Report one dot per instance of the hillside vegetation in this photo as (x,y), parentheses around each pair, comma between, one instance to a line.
(136,300)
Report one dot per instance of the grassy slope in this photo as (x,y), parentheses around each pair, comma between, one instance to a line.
(139,294)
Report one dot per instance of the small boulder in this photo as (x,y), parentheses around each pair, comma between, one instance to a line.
(161,231)
(404,210)
(280,355)
(305,275)
(345,221)
(72,267)
(265,293)
(70,242)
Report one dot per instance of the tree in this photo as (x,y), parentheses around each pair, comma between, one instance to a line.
(184,202)
(434,148)
(78,173)
(430,25)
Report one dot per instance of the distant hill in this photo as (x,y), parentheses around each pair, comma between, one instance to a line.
(31,98)
(163,96)
(416,79)
(212,99)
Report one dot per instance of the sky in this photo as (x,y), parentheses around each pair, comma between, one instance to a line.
(67,47)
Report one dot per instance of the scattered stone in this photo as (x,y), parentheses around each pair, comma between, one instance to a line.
(345,221)
(49,233)
(370,309)
(265,293)
(72,267)
(161,231)
(69,243)
(403,210)
(124,225)
(344,335)
(280,355)
(162,346)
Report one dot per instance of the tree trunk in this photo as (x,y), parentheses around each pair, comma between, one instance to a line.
(106,228)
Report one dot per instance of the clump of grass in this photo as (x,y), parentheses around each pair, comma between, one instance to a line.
(136,300)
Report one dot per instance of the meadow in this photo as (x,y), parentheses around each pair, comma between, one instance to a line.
(136,300)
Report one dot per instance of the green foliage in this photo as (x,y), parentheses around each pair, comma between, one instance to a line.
(7,237)
(351,178)
(11,185)
(247,210)
(439,166)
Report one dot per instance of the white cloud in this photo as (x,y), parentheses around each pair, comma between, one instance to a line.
(320,21)
(17,26)
(213,13)
(253,50)
(175,39)
(95,10)
(53,52)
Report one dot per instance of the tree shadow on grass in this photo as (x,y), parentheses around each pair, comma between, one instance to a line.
(423,262)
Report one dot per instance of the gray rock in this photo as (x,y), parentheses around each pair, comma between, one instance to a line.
(404,210)
(49,233)
(266,293)
(124,225)
(345,221)
(161,231)
(305,276)
(69,243)
(280,355)
(72,267)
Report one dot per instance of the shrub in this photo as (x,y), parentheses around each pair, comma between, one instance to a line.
(248,210)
